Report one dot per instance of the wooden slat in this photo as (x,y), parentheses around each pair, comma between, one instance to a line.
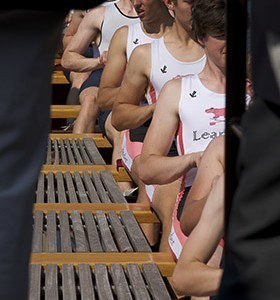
(119,233)
(50,188)
(40,192)
(93,152)
(80,188)
(77,153)
(51,282)
(69,152)
(100,140)
(61,194)
(63,152)
(49,153)
(79,233)
(93,196)
(84,155)
(65,111)
(106,236)
(86,285)
(37,243)
(58,77)
(92,233)
(137,282)
(155,282)
(56,153)
(51,232)
(65,235)
(134,232)
(70,188)
(68,282)
(164,261)
(119,175)
(120,283)
(102,282)
(34,282)
(112,187)
(103,196)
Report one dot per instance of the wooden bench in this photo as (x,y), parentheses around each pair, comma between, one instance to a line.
(86,186)
(64,111)
(104,280)
(86,231)
(76,149)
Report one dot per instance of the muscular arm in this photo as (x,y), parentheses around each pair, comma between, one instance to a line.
(210,166)
(127,113)
(155,166)
(87,32)
(113,72)
(191,275)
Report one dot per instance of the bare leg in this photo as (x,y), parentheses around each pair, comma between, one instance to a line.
(115,137)
(85,123)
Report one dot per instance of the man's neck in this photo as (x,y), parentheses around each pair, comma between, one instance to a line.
(127,8)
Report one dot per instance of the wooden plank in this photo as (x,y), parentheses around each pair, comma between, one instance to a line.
(51,232)
(119,233)
(58,77)
(65,111)
(155,282)
(100,140)
(35,282)
(92,193)
(102,282)
(69,152)
(61,193)
(93,152)
(106,236)
(50,188)
(68,282)
(70,188)
(137,282)
(65,235)
(103,196)
(79,233)
(92,233)
(83,152)
(134,232)
(63,152)
(164,261)
(142,212)
(80,188)
(49,153)
(56,153)
(120,283)
(76,152)
(86,285)
(112,187)
(40,191)
(51,282)
(37,243)
(119,175)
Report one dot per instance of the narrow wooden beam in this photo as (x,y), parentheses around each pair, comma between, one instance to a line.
(64,111)
(59,78)
(142,212)
(119,174)
(164,261)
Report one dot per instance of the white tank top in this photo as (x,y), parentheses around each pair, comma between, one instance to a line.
(202,118)
(165,67)
(136,37)
(113,20)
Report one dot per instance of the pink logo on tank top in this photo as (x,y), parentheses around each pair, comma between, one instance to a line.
(219,115)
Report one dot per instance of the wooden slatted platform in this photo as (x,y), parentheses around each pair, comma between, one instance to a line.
(59,78)
(98,281)
(77,232)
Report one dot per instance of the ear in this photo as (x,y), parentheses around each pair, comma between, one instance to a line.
(201,42)
(169,4)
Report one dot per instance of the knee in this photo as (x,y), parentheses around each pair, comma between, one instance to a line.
(87,99)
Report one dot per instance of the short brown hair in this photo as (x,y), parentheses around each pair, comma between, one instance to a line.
(208,18)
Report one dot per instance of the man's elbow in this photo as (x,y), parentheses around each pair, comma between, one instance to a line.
(145,174)
(179,284)
(116,122)
(65,62)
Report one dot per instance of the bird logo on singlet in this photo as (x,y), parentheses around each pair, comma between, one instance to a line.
(136,42)
(164,69)
(218,115)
